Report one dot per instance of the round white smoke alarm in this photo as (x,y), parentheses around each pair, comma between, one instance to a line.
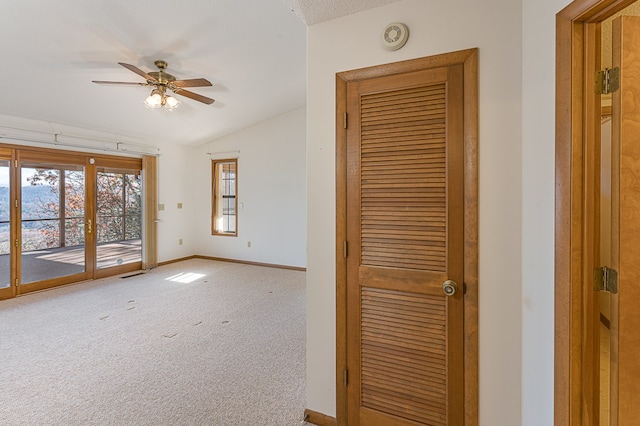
(395,35)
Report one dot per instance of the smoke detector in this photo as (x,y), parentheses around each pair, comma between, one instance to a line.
(395,35)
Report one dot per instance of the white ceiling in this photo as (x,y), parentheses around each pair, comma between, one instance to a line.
(254,52)
(315,11)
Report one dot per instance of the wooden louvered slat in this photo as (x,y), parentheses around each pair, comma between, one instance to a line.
(391,129)
(403,158)
(404,357)
(418,221)
(422,223)
(379,118)
(387,380)
(432,137)
(382,321)
(401,117)
(387,103)
(428,152)
(403,354)
(399,256)
(402,95)
(392,168)
(394,402)
(400,147)
(430,318)
(391,103)
(405,366)
(390,383)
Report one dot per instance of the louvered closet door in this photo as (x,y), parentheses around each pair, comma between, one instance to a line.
(405,233)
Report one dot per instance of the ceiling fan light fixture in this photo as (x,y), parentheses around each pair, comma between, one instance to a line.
(154,100)
(171,103)
(163,82)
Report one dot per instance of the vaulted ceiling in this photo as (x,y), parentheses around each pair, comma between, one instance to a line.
(254,52)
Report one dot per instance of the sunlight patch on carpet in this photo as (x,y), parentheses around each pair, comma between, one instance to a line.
(185,277)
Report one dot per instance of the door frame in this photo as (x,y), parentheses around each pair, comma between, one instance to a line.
(469,59)
(576,208)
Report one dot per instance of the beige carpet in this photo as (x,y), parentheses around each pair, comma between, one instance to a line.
(192,343)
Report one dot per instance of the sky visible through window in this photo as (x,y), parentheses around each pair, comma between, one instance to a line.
(26,173)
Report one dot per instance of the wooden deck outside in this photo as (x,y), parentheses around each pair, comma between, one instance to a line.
(38,265)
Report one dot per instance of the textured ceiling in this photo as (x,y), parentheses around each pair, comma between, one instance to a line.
(315,11)
(254,52)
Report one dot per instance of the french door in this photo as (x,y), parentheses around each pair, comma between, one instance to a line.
(67,217)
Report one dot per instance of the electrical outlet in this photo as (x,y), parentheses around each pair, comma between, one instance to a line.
(179,205)
(180,242)
(160,207)
(249,244)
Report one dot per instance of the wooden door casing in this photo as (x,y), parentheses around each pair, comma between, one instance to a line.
(577,129)
(406,353)
(8,292)
(625,227)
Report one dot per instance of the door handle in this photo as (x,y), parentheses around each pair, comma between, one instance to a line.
(449,287)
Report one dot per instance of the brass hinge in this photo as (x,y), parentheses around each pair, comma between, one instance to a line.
(345,249)
(345,120)
(17,242)
(15,163)
(605,279)
(16,282)
(607,81)
(345,376)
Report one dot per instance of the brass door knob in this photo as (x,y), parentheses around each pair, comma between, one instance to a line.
(449,287)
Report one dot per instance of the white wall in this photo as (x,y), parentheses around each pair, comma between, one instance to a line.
(271,186)
(175,185)
(538,170)
(494,26)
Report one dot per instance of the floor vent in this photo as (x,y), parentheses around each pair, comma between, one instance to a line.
(132,275)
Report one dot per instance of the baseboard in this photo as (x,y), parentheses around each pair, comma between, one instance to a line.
(168,262)
(318,419)
(246,262)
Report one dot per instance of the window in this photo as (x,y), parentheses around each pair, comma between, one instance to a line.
(225,185)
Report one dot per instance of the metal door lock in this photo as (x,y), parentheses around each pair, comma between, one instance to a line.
(449,287)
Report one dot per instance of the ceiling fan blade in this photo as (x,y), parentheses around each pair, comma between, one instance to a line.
(121,83)
(194,96)
(137,71)
(193,82)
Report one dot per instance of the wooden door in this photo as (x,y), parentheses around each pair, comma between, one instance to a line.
(405,232)
(625,230)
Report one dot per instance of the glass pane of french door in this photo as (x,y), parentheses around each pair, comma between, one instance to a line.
(53,221)
(5,226)
(118,217)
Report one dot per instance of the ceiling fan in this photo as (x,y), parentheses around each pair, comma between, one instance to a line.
(161,81)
